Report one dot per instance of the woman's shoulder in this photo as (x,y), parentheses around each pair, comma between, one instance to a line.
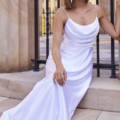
(60,13)
(60,9)
(100,10)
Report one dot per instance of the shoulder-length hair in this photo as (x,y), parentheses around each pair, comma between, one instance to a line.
(70,5)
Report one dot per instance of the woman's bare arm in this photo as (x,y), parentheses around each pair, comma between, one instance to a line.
(57,36)
(108,27)
(59,20)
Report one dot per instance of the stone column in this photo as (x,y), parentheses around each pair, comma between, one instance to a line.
(16,35)
(106,6)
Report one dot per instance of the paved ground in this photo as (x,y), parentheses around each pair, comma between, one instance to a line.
(80,114)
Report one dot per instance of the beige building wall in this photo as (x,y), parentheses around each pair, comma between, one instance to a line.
(16,35)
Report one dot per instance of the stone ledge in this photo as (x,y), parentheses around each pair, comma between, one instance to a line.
(103,94)
(18,85)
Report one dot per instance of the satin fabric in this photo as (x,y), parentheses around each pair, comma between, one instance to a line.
(49,101)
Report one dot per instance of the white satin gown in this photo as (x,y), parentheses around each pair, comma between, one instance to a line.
(49,101)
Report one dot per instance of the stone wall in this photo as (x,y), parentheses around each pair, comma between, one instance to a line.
(16,35)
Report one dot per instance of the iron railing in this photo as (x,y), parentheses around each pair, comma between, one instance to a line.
(96,65)
(36,60)
(51,21)
(111,66)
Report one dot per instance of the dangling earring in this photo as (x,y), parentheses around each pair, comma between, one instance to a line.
(71,1)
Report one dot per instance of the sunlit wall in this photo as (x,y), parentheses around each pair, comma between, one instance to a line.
(92,1)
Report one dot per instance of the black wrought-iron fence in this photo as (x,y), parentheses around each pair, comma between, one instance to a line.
(51,21)
(48,31)
(111,66)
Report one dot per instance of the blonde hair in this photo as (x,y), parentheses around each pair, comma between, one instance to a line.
(70,5)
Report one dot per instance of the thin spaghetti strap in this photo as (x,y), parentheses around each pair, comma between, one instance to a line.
(96,10)
(65,11)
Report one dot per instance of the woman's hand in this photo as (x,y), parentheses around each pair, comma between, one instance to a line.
(60,75)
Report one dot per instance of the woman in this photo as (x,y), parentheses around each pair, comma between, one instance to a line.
(69,65)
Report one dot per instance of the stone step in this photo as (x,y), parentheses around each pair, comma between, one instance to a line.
(79,114)
(90,114)
(102,94)
(18,85)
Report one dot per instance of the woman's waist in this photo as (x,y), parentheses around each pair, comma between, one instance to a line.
(71,49)
(76,45)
